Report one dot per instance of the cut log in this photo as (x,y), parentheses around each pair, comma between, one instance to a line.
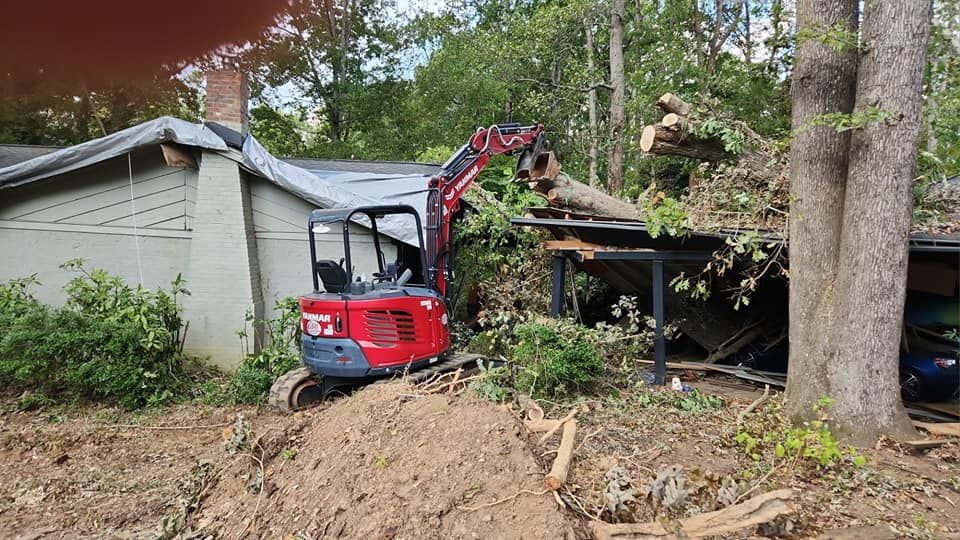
(673,104)
(674,122)
(561,465)
(541,425)
(660,140)
(752,512)
(564,192)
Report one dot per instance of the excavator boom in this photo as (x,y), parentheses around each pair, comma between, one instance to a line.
(456,176)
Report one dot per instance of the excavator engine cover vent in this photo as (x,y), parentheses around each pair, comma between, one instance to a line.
(387,328)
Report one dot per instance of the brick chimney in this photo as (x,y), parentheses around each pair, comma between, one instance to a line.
(227,95)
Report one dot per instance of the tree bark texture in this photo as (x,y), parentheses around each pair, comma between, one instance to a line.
(850,214)
(877,212)
(823,83)
(593,177)
(617,113)
(565,192)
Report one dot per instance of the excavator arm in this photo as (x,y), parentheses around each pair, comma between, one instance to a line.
(456,176)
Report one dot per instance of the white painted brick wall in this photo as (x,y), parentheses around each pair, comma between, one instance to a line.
(223,271)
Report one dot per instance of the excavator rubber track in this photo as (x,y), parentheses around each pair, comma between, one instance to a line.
(299,389)
(451,362)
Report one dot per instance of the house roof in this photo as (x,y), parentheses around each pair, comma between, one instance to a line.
(350,165)
(11,154)
(326,183)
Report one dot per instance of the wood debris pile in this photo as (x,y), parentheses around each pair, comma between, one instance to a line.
(742,182)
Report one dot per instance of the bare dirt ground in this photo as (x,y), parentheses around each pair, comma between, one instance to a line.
(391,463)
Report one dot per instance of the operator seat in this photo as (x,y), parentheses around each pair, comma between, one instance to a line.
(333,276)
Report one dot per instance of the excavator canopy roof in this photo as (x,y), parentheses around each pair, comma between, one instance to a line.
(331,215)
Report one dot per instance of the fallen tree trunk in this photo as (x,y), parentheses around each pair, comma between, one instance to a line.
(673,104)
(672,135)
(565,192)
(752,512)
(758,166)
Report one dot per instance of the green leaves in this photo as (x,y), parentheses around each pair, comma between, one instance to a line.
(551,363)
(840,121)
(663,213)
(110,341)
(837,37)
(811,444)
(280,353)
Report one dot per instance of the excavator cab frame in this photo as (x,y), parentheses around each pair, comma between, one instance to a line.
(337,277)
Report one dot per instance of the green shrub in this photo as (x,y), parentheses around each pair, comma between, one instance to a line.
(812,444)
(109,342)
(281,353)
(551,363)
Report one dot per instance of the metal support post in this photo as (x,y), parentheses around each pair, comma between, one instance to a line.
(557,304)
(659,346)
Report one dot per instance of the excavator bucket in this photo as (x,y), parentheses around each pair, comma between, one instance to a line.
(529,157)
(546,166)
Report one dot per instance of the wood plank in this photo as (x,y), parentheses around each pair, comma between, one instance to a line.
(695,366)
(570,244)
(944,429)
(176,155)
(927,444)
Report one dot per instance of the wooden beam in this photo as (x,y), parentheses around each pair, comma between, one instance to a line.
(572,244)
(175,155)
(945,429)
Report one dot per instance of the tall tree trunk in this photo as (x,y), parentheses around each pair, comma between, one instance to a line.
(594,179)
(747,36)
(877,211)
(850,212)
(617,114)
(776,17)
(823,83)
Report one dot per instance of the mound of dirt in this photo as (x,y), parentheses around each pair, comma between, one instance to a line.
(387,463)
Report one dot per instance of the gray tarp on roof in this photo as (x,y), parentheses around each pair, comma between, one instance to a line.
(11,154)
(68,159)
(335,189)
(325,188)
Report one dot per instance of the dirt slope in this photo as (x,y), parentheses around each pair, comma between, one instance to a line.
(79,477)
(387,463)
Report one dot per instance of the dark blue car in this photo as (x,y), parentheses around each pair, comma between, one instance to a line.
(926,376)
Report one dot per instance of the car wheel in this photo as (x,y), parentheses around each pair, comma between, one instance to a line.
(911,386)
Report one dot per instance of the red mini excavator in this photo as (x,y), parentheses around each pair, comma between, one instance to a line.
(357,328)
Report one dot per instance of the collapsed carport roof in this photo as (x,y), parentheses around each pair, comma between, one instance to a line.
(635,234)
(627,256)
(333,184)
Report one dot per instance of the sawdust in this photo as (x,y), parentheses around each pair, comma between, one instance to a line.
(387,463)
